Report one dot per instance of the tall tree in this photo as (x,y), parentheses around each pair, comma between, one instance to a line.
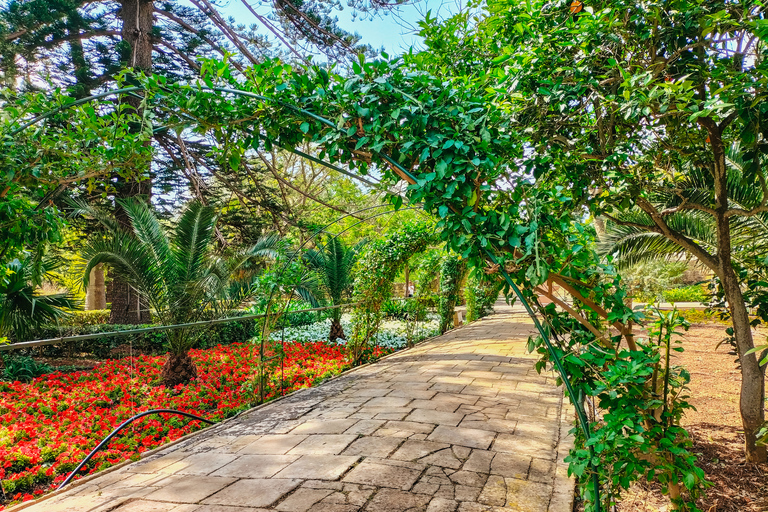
(81,46)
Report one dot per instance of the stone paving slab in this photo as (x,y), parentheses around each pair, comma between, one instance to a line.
(461,423)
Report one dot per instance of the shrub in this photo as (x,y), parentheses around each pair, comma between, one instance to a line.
(481,292)
(394,309)
(92,317)
(650,279)
(23,368)
(295,317)
(697,316)
(693,293)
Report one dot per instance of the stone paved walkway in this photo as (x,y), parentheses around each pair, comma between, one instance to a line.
(462,423)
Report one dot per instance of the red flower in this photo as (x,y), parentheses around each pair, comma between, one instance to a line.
(49,425)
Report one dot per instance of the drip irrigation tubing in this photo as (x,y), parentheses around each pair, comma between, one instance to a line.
(124,424)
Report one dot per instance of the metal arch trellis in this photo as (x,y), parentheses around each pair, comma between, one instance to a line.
(581,413)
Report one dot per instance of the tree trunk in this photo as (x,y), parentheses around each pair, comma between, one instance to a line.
(95,295)
(178,369)
(337,331)
(407,279)
(137,32)
(127,306)
(599,223)
(752,399)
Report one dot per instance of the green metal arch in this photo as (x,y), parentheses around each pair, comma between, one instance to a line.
(581,413)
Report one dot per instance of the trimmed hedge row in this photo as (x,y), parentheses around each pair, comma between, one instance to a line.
(90,317)
(147,343)
(95,321)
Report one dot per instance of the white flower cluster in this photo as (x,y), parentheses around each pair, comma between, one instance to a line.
(392,333)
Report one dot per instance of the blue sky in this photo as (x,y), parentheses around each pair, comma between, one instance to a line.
(395,31)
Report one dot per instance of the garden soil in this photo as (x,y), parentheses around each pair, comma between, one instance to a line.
(715,428)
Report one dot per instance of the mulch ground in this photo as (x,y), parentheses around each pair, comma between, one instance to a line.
(715,428)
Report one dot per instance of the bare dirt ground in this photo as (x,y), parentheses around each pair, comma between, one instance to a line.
(715,428)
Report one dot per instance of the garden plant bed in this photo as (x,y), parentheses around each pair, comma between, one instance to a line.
(49,425)
(715,427)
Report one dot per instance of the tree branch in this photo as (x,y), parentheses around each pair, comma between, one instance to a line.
(194,65)
(288,184)
(680,239)
(79,36)
(644,227)
(740,212)
(195,31)
(625,330)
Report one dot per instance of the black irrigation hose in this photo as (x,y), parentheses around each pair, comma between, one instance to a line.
(112,434)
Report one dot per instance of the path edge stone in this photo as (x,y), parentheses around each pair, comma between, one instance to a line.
(564,486)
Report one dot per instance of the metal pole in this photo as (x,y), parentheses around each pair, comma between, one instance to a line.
(581,414)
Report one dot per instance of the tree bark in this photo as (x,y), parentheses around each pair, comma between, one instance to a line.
(95,295)
(752,398)
(178,369)
(407,279)
(127,306)
(337,330)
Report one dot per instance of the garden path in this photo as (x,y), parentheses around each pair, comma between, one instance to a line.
(461,423)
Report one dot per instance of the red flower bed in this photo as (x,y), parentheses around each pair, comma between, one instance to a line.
(49,425)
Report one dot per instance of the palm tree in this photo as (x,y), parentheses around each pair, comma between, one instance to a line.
(22,308)
(177,273)
(333,264)
(631,238)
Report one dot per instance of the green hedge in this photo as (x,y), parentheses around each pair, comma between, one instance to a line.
(401,309)
(91,317)
(693,293)
(148,343)
(95,321)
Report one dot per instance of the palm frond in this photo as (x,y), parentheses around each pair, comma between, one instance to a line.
(132,260)
(333,263)
(632,244)
(81,208)
(22,308)
(148,230)
(267,246)
(308,289)
(191,240)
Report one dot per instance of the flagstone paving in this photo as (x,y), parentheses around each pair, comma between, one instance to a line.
(461,423)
